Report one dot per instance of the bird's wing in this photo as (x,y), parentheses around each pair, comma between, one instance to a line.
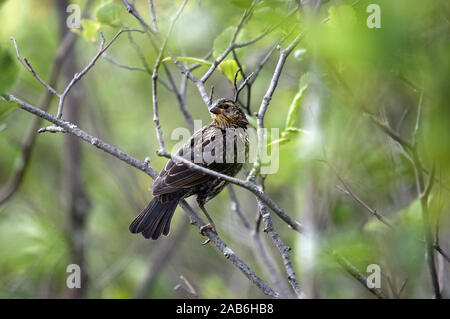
(176,175)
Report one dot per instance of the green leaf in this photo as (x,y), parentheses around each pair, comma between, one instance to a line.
(295,105)
(188,59)
(223,40)
(108,13)
(9,70)
(229,68)
(89,30)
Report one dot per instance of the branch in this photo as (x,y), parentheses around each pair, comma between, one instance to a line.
(78,76)
(28,66)
(347,189)
(355,273)
(23,160)
(249,185)
(422,191)
(155,77)
(265,104)
(271,270)
(153,15)
(132,10)
(73,129)
(228,253)
(284,250)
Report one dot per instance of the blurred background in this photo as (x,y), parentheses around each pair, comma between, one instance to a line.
(63,201)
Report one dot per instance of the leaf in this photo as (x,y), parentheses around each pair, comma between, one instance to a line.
(223,40)
(188,59)
(108,13)
(229,68)
(295,105)
(89,30)
(9,70)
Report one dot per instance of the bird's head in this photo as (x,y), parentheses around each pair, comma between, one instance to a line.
(227,113)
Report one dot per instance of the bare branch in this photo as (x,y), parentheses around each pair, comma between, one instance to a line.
(132,10)
(252,187)
(228,253)
(78,76)
(284,250)
(422,192)
(28,66)
(67,43)
(355,273)
(153,15)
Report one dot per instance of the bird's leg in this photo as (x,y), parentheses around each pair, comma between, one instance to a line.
(211,225)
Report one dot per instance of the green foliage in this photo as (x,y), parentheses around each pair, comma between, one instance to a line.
(295,105)
(290,131)
(229,68)
(243,4)
(108,13)
(38,247)
(9,70)
(341,17)
(6,107)
(89,30)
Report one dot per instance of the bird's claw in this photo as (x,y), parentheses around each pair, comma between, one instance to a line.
(203,230)
(206,227)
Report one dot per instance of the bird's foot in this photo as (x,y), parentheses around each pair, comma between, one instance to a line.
(203,230)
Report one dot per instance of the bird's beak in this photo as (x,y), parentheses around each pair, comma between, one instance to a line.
(215,110)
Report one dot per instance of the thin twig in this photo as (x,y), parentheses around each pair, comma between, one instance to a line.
(132,10)
(355,273)
(28,66)
(423,194)
(284,250)
(155,77)
(250,186)
(78,76)
(153,15)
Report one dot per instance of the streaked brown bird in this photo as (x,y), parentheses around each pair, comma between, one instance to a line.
(221,146)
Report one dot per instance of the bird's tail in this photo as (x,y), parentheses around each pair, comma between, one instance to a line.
(155,219)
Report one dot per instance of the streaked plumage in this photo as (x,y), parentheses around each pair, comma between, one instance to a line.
(177,181)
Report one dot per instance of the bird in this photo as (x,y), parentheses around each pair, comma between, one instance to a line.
(221,146)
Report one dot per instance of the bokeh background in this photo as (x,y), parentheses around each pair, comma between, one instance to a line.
(74,203)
